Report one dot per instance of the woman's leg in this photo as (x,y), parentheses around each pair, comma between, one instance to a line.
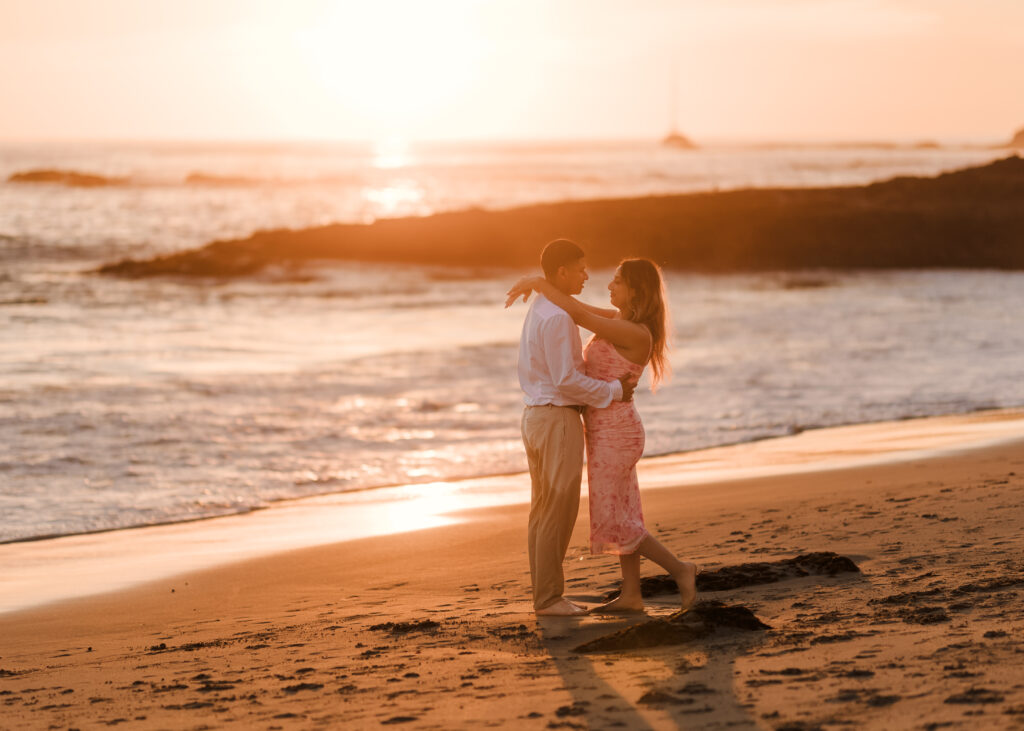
(629,598)
(630,565)
(684,572)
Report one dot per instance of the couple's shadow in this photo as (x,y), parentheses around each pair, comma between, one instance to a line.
(670,686)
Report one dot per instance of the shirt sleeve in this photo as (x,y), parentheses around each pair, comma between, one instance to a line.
(578,388)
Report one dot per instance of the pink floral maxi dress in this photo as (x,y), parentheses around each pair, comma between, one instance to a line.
(615,442)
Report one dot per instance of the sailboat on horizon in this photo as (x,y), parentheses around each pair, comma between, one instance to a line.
(675,138)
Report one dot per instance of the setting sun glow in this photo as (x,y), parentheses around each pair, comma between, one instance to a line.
(391,63)
(510,69)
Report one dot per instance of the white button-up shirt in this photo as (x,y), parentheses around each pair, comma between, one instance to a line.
(551,361)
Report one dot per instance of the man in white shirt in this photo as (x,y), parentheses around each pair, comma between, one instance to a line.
(555,391)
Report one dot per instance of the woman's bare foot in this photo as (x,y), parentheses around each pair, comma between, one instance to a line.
(686,580)
(620,604)
(561,608)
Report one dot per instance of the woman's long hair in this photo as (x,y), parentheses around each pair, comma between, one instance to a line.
(649,307)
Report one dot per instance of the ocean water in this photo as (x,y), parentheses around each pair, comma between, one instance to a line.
(125,403)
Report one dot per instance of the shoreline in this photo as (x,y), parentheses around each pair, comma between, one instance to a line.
(432,628)
(454,481)
(63,568)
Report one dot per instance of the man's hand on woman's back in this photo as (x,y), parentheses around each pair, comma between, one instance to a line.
(629,383)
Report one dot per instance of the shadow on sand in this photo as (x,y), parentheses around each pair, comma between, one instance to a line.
(645,672)
(674,670)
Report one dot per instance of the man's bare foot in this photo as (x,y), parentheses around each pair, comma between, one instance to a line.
(561,608)
(686,580)
(620,605)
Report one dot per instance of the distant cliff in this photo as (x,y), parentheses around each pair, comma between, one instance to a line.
(968,218)
(1018,139)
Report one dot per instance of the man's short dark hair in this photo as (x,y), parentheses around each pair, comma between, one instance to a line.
(559,253)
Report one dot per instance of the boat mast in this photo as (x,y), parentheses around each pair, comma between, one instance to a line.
(674,98)
(675,138)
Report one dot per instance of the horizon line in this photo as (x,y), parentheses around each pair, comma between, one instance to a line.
(716,141)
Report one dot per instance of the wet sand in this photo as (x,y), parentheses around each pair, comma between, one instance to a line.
(909,617)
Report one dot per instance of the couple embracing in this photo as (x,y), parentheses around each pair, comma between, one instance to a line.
(561,383)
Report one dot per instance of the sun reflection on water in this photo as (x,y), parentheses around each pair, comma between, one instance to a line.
(391,153)
(401,197)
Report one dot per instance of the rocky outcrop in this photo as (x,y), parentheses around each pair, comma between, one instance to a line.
(968,218)
(200,178)
(1018,140)
(70,178)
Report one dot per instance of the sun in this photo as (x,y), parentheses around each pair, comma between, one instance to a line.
(392,63)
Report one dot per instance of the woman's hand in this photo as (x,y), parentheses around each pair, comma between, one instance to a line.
(523,288)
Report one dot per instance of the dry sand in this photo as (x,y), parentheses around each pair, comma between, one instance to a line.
(433,628)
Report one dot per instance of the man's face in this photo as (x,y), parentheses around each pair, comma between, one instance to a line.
(575,274)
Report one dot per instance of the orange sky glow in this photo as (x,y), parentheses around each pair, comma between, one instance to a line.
(511,69)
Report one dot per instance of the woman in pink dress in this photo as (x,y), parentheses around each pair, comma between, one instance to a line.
(625,340)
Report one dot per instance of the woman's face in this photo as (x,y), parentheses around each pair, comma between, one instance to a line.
(621,294)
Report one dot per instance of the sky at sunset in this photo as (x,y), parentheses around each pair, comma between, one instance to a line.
(511,69)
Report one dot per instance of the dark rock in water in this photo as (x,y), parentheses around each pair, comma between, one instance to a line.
(963,219)
(401,628)
(64,177)
(704,619)
(806,282)
(825,563)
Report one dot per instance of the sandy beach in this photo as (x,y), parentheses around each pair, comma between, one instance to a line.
(912,623)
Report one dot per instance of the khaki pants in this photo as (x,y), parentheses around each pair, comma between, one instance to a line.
(553,436)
